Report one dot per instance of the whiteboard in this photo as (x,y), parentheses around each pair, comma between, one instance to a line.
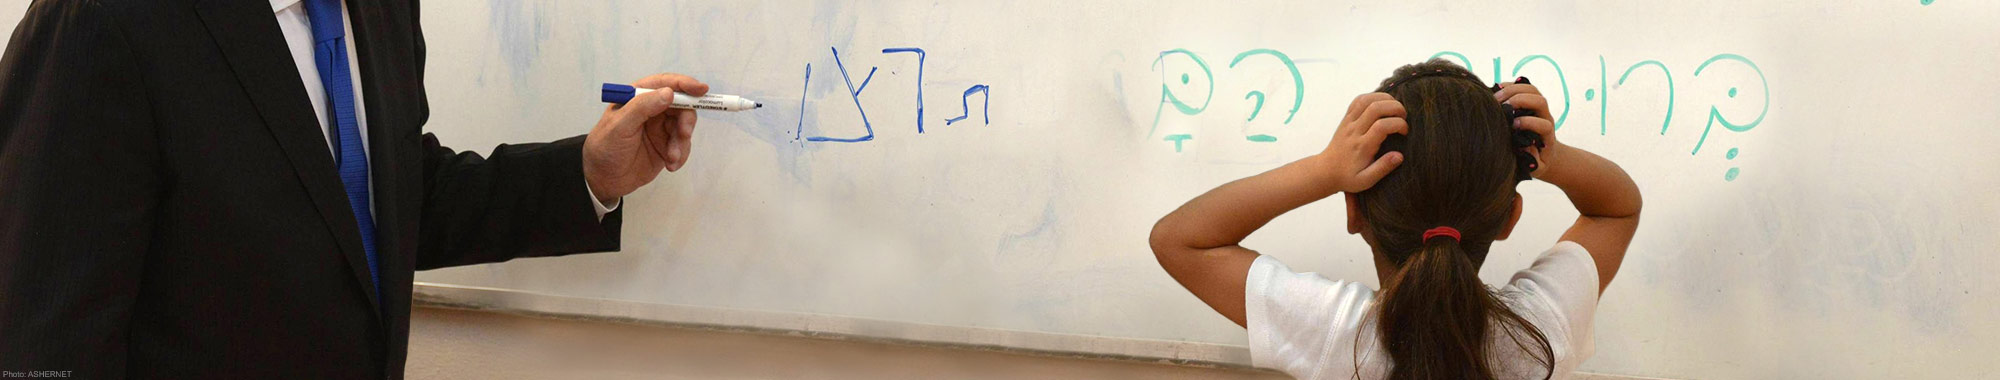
(1818,176)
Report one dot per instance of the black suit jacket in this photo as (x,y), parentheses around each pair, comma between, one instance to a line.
(169,207)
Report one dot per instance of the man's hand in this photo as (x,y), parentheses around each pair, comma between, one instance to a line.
(633,141)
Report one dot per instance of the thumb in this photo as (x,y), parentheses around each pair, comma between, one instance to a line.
(1375,171)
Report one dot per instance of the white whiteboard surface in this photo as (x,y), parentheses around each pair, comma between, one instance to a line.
(1849,234)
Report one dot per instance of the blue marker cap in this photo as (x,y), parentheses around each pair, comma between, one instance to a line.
(618,93)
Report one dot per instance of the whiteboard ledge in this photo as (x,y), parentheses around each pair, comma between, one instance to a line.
(848,328)
(832,327)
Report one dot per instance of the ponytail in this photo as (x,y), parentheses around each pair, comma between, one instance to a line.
(1435,316)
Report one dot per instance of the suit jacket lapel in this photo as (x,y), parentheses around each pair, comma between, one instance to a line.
(248,35)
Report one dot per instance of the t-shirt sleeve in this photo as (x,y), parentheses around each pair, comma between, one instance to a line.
(1293,318)
(1565,279)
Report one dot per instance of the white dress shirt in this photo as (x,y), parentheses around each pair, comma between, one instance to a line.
(298,36)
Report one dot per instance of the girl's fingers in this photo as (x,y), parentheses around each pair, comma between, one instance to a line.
(1532,102)
(1540,167)
(1375,171)
(1377,111)
(1361,103)
(1382,129)
(1508,90)
(1538,125)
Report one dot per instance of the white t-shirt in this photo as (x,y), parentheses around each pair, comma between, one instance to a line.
(1309,326)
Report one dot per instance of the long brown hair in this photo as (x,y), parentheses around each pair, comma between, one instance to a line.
(1434,314)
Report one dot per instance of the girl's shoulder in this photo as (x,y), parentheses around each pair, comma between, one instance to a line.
(1301,323)
(1558,294)
(1563,273)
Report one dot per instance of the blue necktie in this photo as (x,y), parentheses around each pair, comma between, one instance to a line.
(330,54)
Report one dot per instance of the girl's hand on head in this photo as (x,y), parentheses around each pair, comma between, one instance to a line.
(1526,96)
(1350,159)
(1606,198)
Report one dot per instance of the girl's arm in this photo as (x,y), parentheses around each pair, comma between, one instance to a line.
(1605,196)
(1197,244)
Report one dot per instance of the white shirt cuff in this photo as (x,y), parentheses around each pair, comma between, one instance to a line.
(599,205)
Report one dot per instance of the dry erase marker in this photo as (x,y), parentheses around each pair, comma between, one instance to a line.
(618,93)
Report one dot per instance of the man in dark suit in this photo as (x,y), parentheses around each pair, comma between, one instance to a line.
(243,188)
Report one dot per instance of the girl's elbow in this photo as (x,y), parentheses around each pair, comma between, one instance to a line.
(1158,239)
(1638,203)
(1163,240)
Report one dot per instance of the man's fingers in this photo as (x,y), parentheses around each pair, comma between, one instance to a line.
(676,153)
(644,107)
(658,133)
(680,149)
(683,122)
(676,82)
(675,143)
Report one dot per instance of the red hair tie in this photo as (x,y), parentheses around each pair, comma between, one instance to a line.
(1441,231)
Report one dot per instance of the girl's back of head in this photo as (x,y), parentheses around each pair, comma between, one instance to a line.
(1436,318)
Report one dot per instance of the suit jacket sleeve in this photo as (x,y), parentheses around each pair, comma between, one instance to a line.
(79,182)
(528,200)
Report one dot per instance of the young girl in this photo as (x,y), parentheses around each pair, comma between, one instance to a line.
(1439,192)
